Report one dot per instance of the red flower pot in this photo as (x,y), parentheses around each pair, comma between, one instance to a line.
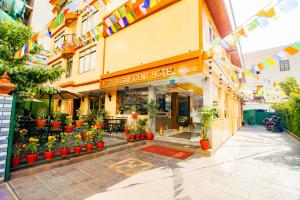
(64,152)
(150,136)
(55,125)
(69,129)
(49,155)
(77,150)
(142,136)
(138,136)
(31,158)
(40,123)
(83,135)
(89,147)
(99,126)
(16,161)
(205,144)
(78,123)
(131,138)
(100,145)
(134,115)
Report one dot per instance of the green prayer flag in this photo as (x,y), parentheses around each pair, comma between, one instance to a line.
(296,45)
(252,25)
(116,26)
(59,20)
(132,14)
(122,11)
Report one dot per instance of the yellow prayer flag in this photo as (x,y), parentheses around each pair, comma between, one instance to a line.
(129,18)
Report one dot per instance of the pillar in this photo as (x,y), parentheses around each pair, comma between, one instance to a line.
(174,113)
(111,102)
(152,96)
(208,92)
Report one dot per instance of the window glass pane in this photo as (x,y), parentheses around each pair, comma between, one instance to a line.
(93,60)
(81,64)
(86,63)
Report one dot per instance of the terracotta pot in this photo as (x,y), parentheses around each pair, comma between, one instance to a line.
(89,147)
(99,126)
(40,123)
(68,129)
(77,150)
(31,158)
(16,161)
(100,145)
(78,123)
(150,136)
(64,152)
(55,125)
(142,136)
(49,155)
(205,144)
(134,115)
(131,138)
(138,136)
(83,135)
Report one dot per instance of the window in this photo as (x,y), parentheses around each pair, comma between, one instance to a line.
(284,65)
(212,34)
(69,67)
(89,21)
(57,65)
(87,59)
(59,40)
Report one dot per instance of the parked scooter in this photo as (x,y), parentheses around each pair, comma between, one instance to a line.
(273,124)
(265,121)
(277,127)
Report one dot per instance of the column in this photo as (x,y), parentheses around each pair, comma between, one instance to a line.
(208,92)
(111,102)
(174,113)
(152,96)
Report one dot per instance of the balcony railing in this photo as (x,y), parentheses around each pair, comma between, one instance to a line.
(69,45)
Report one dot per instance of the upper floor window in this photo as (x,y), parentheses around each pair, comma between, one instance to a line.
(57,65)
(284,65)
(69,67)
(212,34)
(59,40)
(89,21)
(87,59)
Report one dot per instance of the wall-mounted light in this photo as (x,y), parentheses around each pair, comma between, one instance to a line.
(109,96)
(228,88)
(210,67)
(220,80)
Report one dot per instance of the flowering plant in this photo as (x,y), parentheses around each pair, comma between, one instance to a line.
(23,132)
(79,114)
(99,120)
(51,143)
(99,133)
(64,140)
(41,113)
(69,120)
(89,137)
(57,116)
(32,146)
(18,149)
(77,140)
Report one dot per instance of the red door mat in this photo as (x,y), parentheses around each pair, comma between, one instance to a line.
(167,152)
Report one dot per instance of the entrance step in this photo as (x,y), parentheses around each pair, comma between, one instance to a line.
(180,146)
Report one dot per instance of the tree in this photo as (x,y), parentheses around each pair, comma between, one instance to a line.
(13,36)
(289,86)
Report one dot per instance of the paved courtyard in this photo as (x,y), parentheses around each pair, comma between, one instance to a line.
(254,164)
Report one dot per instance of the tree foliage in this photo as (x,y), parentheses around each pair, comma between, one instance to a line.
(289,86)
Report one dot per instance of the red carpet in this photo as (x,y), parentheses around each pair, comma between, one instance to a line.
(167,152)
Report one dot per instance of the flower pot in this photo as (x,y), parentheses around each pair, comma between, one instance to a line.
(134,115)
(99,126)
(49,155)
(68,129)
(89,147)
(78,123)
(205,144)
(77,150)
(83,135)
(150,136)
(100,145)
(55,125)
(16,161)
(40,123)
(131,138)
(142,136)
(64,152)
(126,131)
(138,136)
(31,158)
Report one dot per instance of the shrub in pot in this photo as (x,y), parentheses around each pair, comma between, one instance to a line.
(206,115)
(49,153)
(134,114)
(80,120)
(99,122)
(31,149)
(77,143)
(17,152)
(152,112)
(89,143)
(69,124)
(131,137)
(64,143)
(41,118)
(56,123)
(99,137)
(142,127)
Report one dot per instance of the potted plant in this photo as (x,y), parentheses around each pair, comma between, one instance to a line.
(56,121)
(49,153)
(99,122)
(89,141)
(69,122)
(85,127)
(142,127)
(17,152)
(131,136)
(80,120)
(22,134)
(99,137)
(152,112)
(134,114)
(41,118)
(32,150)
(64,142)
(77,142)
(206,115)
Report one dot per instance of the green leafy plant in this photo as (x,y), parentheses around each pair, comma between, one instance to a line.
(41,113)
(133,109)
(69,120)
(207,115)
(89,137)
(152,112)
(79,114)
(32,145)
(99,135)
(17,150)
(65,138)
(56,116)
(51,143)
(77,140)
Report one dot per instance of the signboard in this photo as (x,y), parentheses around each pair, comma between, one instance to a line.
(188,67)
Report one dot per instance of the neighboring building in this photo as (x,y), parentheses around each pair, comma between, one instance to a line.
(16,9)
(158,57)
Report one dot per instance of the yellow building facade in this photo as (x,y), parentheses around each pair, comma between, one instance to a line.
(158,57)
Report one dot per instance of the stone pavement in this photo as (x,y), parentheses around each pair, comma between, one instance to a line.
(252,165)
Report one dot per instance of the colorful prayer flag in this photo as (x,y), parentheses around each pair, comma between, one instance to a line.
(122,11)
(252,25)
(291,50)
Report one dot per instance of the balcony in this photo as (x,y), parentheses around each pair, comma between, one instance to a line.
(71,19)
(69,45)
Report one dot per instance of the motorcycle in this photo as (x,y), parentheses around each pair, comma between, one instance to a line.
(277,127)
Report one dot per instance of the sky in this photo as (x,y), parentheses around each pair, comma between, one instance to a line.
(280,32)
